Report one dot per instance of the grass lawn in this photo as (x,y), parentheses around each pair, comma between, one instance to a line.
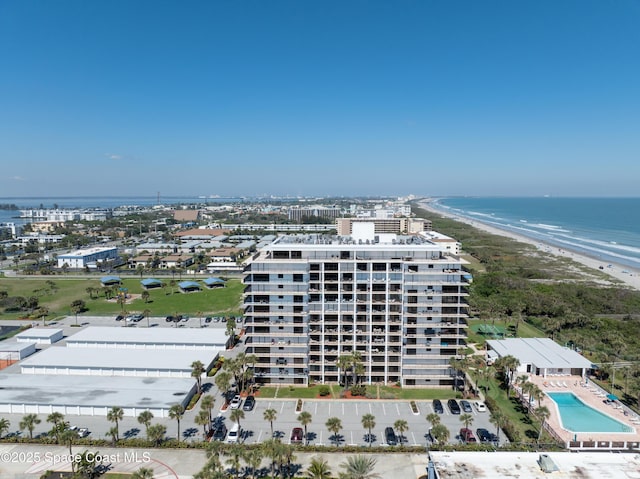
(162,301)
(296,393)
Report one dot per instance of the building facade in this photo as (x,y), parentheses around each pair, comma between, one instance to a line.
(86,257)
(400,302)
(345,226)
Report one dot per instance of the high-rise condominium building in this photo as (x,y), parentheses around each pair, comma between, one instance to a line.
(400,302)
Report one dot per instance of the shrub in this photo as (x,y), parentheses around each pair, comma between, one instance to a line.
(324,390)
(414,407)
(299,405)
(358,390)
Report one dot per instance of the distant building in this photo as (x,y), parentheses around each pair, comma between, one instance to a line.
(298,214)
(87,257)
(12,228)
(385,225)
(62,215)
(186,216)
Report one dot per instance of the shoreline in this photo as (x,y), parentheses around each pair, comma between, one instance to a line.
(629,276)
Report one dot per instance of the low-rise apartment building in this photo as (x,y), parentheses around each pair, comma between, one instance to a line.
(399,301)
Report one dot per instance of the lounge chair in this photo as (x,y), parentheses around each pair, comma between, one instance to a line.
(564,384)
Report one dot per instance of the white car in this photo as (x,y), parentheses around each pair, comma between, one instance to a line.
(235,402)
(83,432)
(480,407)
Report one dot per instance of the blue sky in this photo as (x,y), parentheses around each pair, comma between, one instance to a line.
(319,98)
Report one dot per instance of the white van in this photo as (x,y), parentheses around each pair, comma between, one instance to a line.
(234,434)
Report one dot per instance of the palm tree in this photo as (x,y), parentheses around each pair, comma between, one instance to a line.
(344,363)
(113,432)
(76,307)
(401,426)
(359,467)
(200,314)
(334,425)
(253,458)
(369,422)
(499,420)
(145,296)
(29,422)
(176,412)
(146,313)
(67,437)
(486,374)
(115,414)
(542,413)
(235,451)
(145,418)
(304,418)
(440,433)
(197,368)
(223,381)
(202,419)
(270,415)
(467,420)
(236,415)
(143,473)
(156,433)
(274,450)
(433,418)
(318,469)
(4,426)
(206,403)
(56,418)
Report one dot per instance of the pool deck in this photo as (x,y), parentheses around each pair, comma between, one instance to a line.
(592,395)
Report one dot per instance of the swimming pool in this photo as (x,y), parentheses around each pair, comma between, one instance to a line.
(576,416)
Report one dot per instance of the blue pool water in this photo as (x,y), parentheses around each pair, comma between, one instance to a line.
(576,416)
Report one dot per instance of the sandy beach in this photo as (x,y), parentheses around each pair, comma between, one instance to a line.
(628,276)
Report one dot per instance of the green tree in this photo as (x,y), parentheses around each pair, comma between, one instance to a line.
(29,422)
(85,463)
(145,418)
(223,381)
(145,295)
(202,419)
(68,437)
(235,453)
(304,418)
(270,415)
(57,419)
(433,419)
(334,425)
(401,426)
(542,413)
(253,458)
(499,420)
(113,432)
(5,424)
(197,369)
(115,415)
(77,306)
(369,422)
(146,313)
(207,403)
(156,433)
(440,433)
(176,412)
(466,419)
(236,415)
(359,467)
(318,469)
(143,473)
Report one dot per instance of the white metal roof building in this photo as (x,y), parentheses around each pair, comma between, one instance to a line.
(40,336)
(11,351)
(124,362)
(92,396)
(209,339)
(84,257)
(541,356)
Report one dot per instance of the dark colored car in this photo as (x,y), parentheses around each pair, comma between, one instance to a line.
(249,403)
(466,406)
(296,435)
(466,435)
(119,317)
(208,319)
(437,406)
(220,432)
(169,319)
(390,436)
(453,406)
(483,434)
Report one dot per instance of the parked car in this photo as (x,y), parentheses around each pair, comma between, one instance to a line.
(137,317)
(184,319)
(234,434)
(296,435)
(83,432)
(466,406)
(219,433)
(466,435)
(390,436)
(437,406)
(483,434)
(453,406)
(236,402)
(169,319)
(480,407)
(249,403)
(118,318)
(208,319)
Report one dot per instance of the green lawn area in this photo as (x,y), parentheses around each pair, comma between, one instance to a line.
(162,301)
(296,393)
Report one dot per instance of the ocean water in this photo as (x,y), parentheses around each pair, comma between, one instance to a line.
(604,228)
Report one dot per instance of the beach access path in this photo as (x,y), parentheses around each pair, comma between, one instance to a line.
(625,274)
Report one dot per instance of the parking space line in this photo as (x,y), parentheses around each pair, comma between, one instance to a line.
(398,408)
(259,436)
(316,409)
(357,415)
(415,443)
(384,410)
(282,407)
(343,409)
